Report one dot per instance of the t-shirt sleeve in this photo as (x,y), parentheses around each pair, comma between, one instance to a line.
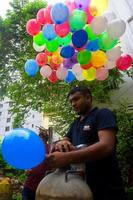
(105,119)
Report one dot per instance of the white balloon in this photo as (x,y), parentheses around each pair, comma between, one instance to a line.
(110,64)
(98,24)
(116,28)
(38,48)
(80,77)
(61,73)
(76,69)
(114,53)
(109,16)
(46,71)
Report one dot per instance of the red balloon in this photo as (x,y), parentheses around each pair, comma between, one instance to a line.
(124,62)
(33,27)
(63,29)
(47,15)
(48,53)
(53,65)
(40,16)
(41,59)
(53,78)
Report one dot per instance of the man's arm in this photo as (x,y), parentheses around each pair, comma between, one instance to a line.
(104,147)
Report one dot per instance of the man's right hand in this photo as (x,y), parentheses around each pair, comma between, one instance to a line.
(63,146)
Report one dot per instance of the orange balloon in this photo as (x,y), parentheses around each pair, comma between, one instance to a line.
(86,66)
(56,58)
(93,10)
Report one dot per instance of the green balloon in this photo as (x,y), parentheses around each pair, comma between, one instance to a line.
(65,40)
(52,45)
(84,57)
(77,20)
(39,39)
(106,43)
(91,35)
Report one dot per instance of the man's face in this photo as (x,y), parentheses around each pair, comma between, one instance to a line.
(81,103)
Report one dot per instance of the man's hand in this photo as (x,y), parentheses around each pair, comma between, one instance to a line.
(63,146)
(57,160)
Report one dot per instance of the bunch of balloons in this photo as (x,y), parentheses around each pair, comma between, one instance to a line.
(76,40)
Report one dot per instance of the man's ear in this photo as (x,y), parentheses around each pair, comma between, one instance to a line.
(88,97)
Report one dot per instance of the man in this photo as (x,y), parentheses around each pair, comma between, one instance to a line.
(97,128)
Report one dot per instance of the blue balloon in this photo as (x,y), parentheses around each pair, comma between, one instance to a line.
(93,45)
(59,13)
(67,51)
(70,77)
(23,149)
(79,38)
(49,31)
(31,67)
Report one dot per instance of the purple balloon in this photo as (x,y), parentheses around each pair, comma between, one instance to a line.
(68,63)
(82,4)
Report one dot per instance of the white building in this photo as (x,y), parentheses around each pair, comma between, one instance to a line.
(33,120)
(124,10)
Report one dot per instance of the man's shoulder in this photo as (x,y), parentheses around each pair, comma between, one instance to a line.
(105,111)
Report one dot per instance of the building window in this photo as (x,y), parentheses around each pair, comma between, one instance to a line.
(1,105)
(8,119)
(7,128)
(0,113)
(33,116)
(10,103)
(32,125)
(9,112)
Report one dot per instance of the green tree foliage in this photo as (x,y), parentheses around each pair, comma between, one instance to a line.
(125,143)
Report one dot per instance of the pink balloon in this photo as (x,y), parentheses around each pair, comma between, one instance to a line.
(63,29)
(124,62)
(40,16)
(89,15)
(71,6)
(102,74)
(46,71)
(53,78)
(41,59)
(33,27)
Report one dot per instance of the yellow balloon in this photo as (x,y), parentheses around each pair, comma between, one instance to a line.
(98,59)
(89,74)
(101,6)
(56,58)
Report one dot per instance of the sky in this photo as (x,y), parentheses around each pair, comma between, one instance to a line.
(4,5)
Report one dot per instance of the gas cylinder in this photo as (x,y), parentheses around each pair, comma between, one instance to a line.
(63,185)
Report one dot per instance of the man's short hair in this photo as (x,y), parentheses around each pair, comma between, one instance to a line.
(82,89)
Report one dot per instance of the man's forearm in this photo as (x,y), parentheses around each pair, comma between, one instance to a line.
(94,152)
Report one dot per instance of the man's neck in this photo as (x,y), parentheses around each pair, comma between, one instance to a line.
(86,114)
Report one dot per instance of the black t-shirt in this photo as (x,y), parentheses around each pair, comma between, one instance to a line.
(103,176)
